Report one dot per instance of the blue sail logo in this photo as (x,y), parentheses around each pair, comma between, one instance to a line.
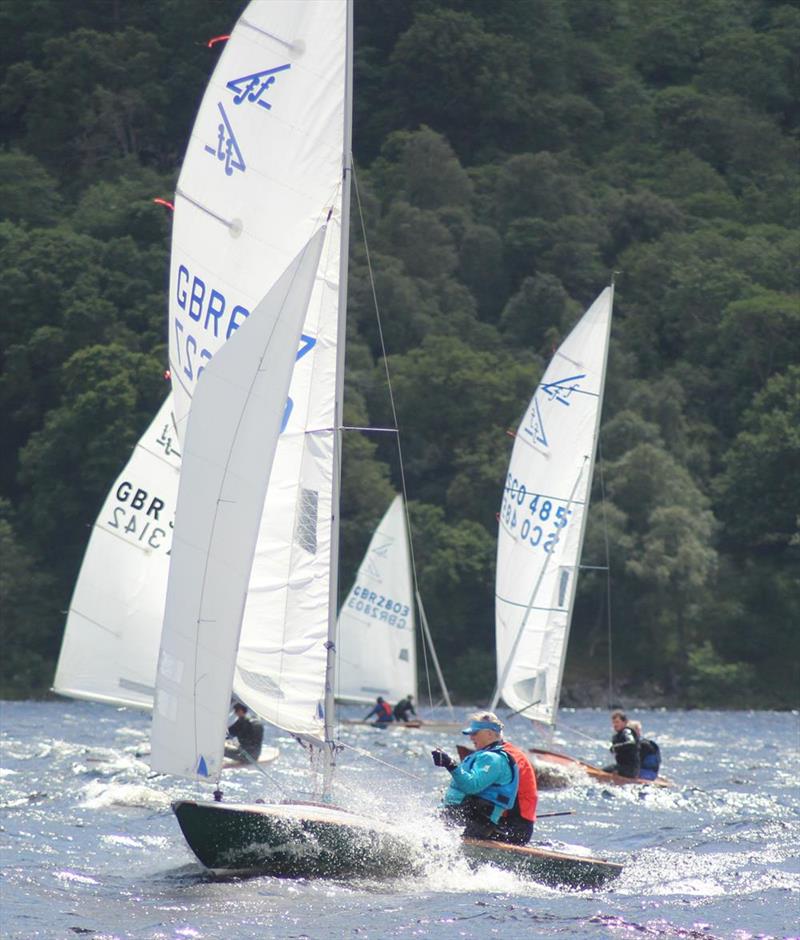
(251,88)
(535,426)
(227,149)
(202,767)
(562,389)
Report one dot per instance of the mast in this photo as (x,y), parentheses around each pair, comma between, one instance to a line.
(344,242)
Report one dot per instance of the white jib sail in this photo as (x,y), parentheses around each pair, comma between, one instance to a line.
(543,517)
(375,639)
(263,170)
(229,446)
(110,644)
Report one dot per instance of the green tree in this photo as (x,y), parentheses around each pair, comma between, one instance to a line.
(110,395)
(758,491)
(472,86)
(28,193)
(30,614)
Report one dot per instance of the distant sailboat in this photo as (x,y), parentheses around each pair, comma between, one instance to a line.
(376,641)
(110,645)
(376,635)
(543,518)
(542,521)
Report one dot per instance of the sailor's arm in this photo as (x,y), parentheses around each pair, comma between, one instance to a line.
(485,770)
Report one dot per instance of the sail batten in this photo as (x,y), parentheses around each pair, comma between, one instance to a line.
(543,518)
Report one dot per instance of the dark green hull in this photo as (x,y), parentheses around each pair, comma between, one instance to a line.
(556,869)
(289,840)
(300,840)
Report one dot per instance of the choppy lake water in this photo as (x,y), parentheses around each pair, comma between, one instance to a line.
(90,846)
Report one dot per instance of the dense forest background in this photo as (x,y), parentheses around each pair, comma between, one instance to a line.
(510,155)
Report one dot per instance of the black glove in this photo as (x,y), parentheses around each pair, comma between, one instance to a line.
(440,759)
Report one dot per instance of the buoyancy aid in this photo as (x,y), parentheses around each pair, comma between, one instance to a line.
(388,714)
(650,754)
(527,793)
(502,795)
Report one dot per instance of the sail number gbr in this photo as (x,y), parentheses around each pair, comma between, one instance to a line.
(137,516)
(533,518)
(379,607)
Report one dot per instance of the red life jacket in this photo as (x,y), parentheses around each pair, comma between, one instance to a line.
(387,709)
(527,795)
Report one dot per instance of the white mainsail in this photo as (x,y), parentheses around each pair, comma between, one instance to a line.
(376,640)
(229,445)
(543,518)
(263,170)
(110,644)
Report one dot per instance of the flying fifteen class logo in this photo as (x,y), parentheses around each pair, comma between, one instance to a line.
(535,426)
(561,390)
(251,88)
(379,552)
(227,149)
(558,391)
(247,89)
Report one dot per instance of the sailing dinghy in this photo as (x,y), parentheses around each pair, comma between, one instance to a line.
(376,633)
(257,301)
(542,523)
(110,645)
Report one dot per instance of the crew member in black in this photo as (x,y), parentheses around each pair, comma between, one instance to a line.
(404,709)
(624,747)
(248,733)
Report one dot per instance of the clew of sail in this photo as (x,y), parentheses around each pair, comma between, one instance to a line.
(110,644)
(375,637)
(229,446)
(263,170)
(543,518)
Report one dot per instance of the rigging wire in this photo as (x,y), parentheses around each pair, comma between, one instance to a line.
(363,753)
(394,413)
(608,574)
(260,769)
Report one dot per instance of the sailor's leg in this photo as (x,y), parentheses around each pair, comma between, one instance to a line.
(514,830)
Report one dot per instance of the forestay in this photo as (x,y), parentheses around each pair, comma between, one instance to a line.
(110,644)
(543,517)
(229,445)
(263,170)
(375,637)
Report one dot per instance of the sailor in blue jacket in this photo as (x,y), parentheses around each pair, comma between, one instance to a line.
(485,784)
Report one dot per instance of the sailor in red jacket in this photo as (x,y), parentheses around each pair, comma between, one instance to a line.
(516,824)
(382,711)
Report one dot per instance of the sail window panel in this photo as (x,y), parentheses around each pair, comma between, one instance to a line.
(307,520)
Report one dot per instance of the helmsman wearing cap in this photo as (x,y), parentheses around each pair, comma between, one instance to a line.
(484,786)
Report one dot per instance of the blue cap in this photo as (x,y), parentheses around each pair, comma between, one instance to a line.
(483,726)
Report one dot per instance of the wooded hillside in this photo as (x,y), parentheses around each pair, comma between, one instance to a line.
(510,155)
